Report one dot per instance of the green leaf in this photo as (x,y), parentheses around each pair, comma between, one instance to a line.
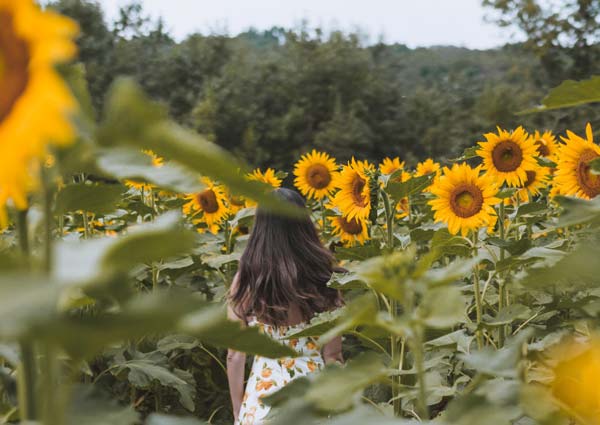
(460,339)
(95,198)
(320,324)
(87,260)
(89,406)
(500,363)
(442,307)
(399,190)
(145,368)
(211,326)
(360,252)
(132,119)
(160,419)
(507,315)
(346,281)
(568,94)
(577,211)
(132,164)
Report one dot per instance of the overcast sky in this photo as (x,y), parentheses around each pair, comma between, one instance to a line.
(412,22)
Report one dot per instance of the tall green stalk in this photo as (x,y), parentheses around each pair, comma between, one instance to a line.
(477,290)
(501,286)
(27,369)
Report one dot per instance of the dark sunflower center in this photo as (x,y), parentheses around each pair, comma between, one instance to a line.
(466,200)
(208,201)
(14,61)
(530,178)
(588,182)
(542,148)
(352,227)
(318,176)
(507,156)
(358,184)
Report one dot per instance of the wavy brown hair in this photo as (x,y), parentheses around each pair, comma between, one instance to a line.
(284,265)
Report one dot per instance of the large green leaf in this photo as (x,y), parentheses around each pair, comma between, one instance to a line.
(128,163)
(160,419)
(334,388)
(212,326)
(89,406)
(570,93)
(442,307)
(88,260)
(415,185)
(145,368)
(132,119)
(95,198)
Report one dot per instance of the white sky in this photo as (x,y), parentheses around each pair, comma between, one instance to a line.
(412,22)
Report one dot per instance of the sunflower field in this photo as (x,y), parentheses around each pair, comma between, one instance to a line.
(472,287)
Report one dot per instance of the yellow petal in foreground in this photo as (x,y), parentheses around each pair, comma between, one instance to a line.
(35,103)
(464,199)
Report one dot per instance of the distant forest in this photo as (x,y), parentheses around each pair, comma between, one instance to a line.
(270,96)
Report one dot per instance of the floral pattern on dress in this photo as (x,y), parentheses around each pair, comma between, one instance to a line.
(270,375)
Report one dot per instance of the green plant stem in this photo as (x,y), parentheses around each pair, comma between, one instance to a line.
(26,382)
(393,309)
(417,349)
(23,235)
(389,220)
(86,225)
(323,218)
(155,273)
(477,290)
(47,196)
(502,329)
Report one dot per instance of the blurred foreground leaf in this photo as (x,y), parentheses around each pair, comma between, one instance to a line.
(94,198)
(570,93)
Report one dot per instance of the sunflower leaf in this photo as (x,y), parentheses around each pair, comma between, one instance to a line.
(568,94)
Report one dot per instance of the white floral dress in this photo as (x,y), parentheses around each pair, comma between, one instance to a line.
(270,375)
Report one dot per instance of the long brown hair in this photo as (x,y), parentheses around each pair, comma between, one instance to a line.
(284,265)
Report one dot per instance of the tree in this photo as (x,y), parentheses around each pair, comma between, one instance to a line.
(564,33)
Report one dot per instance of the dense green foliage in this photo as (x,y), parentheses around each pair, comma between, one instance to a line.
(268,96)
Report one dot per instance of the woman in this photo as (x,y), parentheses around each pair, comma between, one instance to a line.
(280,285)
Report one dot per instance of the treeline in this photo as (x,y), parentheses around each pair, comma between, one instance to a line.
(270,96)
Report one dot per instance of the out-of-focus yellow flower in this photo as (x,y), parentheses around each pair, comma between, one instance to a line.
(545,144)
(390,165)
(157,162)
(268,177)
(35,103)
(576,378)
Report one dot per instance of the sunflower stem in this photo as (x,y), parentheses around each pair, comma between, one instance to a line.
(47,199)
(324,223)
(501,295)
(389,220)
(26,369)
(477,290)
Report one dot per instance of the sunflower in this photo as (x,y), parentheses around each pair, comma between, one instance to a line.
(353,198)
(464,199)
(537,179)
(157,162)
(545,144)
(210,203)
(315,175)
(508,155)
(573,172)
(576,371)
(35,102)
(429,166)
(268,177)
(350,231)
(391,165)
